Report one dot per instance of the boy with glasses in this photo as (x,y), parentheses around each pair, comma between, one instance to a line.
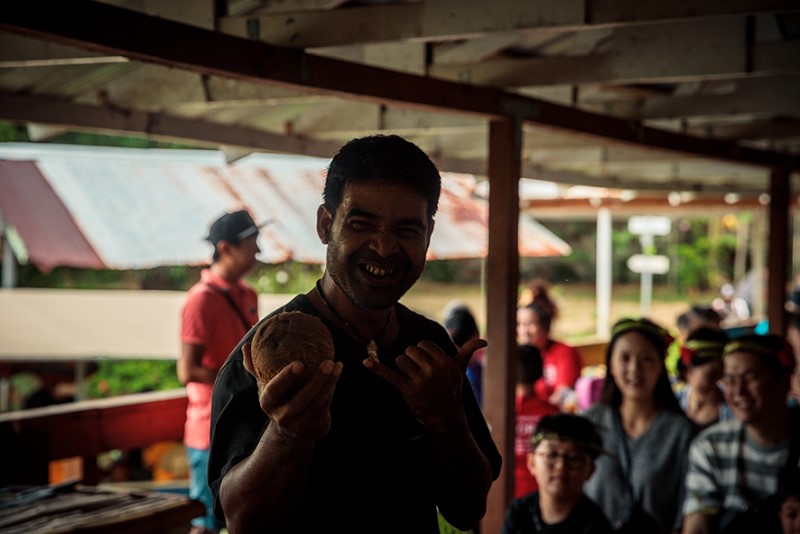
(563,451)
(735,466)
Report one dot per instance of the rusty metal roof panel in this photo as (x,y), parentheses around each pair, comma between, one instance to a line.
(50,234)
(141,208)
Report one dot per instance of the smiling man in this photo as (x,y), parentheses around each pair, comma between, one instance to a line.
(388,433)
(736,465)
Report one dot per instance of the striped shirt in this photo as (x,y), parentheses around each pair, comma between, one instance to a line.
(727,470)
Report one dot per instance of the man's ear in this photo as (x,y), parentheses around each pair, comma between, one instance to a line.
(223,248)
(324,223)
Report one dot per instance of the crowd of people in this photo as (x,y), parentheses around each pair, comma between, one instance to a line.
(697,433)
(692,435)
(711,447)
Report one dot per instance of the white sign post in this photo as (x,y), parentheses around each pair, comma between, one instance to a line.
(648,264)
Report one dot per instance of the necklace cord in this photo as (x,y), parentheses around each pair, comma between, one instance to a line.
(347,325)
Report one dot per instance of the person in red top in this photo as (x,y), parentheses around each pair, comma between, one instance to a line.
(529,410)
(218,311)
(562,363)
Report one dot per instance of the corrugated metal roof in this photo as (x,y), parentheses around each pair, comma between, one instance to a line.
(141,208)
(44,224)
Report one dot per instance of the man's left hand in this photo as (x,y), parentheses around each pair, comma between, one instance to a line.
(430,381)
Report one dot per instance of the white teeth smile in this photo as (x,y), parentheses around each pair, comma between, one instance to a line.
(377,271)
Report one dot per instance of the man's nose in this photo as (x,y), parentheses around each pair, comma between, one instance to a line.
(384,242)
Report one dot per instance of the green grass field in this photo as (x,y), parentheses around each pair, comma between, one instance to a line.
(576,303)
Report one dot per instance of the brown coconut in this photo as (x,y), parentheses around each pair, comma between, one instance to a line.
(287,337)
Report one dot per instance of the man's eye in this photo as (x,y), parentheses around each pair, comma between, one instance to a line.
(409,232)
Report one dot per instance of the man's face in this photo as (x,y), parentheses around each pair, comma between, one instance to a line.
(750,388)
(241,256)
(377,241)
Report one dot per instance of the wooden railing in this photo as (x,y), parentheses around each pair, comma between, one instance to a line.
(31,439)
(593,353)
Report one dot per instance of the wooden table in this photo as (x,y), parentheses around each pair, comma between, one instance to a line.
(74,508)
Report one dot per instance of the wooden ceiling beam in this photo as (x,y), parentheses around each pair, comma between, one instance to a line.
(672,52)
(438,20)
(212,53)
(27,109)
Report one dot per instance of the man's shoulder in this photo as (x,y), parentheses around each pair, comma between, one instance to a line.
(199,295)
(298,303)
(719,437)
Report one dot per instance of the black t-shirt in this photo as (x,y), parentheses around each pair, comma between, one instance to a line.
(524,517)
(374,470)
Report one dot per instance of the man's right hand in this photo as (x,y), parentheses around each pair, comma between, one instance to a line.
(298,409)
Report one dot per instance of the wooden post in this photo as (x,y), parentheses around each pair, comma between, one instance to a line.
(502,283)
(780,249)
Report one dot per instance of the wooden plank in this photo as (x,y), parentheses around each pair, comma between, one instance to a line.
(87,509)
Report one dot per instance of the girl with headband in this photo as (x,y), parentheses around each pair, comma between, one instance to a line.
(640,488)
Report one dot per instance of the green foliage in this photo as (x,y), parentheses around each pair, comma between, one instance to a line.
(623,245)
(13,133)
(441,270)
(123,377)
(289,277)
(85,138)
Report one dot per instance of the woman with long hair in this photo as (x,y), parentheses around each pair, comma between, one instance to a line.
(640,487)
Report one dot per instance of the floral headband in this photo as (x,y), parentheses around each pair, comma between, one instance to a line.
(701,351)
(639,325)
(784,355)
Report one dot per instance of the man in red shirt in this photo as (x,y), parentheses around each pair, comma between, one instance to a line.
(218,311)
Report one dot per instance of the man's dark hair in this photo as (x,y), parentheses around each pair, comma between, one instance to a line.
(706,313)
(682,321)
(383,159)
(529,364)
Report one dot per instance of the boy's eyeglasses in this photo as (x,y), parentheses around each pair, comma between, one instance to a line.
(571,461)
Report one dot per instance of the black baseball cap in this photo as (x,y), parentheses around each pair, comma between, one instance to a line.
(233,227)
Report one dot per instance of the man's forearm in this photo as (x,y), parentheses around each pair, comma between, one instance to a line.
(464,477)
(264,490)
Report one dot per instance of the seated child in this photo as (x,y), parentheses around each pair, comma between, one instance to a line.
(563,450)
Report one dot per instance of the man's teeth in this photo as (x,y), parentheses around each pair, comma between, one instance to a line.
(377,271)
